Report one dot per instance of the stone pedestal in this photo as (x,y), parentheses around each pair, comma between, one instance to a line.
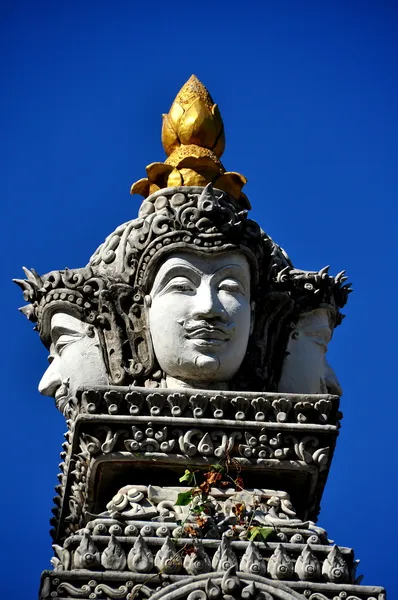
(121,529)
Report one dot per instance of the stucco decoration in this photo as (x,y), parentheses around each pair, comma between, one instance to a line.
(191,351)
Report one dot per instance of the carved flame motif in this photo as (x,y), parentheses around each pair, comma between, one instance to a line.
(252,561)
(197,562)
(307,565)
(140,558)
(334,567)
(224,558)
(193,138)
(86,555)
(114,557)
(167,560)
(280,565)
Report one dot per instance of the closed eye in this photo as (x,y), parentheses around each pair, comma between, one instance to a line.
(180,284)
(232,286)
(65,340)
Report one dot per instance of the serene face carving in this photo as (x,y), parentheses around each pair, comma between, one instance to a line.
(305,369)
(199,316)
(75,359)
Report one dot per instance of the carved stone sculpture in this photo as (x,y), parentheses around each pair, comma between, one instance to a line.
(189,357)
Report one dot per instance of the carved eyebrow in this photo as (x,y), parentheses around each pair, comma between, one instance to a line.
(230,266)
(234,269)
(58,330)
(175,271)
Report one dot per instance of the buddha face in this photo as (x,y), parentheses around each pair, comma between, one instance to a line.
(305,369)
(200,317)
(75,359)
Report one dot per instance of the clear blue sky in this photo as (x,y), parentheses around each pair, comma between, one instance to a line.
(309,94)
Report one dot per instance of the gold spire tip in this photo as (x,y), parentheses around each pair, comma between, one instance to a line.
(193,138)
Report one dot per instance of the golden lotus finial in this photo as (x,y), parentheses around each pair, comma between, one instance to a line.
(193,119)
(194,140)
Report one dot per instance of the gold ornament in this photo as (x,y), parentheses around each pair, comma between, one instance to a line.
(194,140)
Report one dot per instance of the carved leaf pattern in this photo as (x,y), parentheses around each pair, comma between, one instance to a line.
(252,561)
(224,558)
(167,560)
(140,558)
(307,565)
(197,561)
(280,565)
(335,568)
(86,556)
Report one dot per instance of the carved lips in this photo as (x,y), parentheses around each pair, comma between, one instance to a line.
(205,334)
(62,394)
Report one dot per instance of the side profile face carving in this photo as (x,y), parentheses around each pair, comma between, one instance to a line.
(75,359)
(200,317)
(305,368)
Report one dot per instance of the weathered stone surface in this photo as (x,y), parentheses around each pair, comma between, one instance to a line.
(189,359)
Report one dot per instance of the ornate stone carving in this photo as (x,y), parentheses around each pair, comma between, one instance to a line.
(118,308)
(280,565)
(191,347)
(335,568)
(307,565)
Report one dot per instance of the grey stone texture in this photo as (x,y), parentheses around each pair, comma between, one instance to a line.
(189,359)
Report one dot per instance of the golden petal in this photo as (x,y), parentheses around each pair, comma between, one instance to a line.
(174,179)
(158,173)
(220,144)
(153,188)
(175,113)
(197,125)
(191,177)
(191,90)
(170,139)
(215,111)
(202,165)
(238,177)
(231,183)
(192,151)
(140,187)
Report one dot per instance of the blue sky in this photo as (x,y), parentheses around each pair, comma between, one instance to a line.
(309,94)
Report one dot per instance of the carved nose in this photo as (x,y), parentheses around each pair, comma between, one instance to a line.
(50,381)
(207,303)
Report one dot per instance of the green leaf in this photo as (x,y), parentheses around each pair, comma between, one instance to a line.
(184,498)
(188,477)
(217,467)
(266,532)
(263,532)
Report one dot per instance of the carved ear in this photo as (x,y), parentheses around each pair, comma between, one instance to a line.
(113,338)
(130,307)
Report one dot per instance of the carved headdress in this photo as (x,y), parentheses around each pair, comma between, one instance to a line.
(82,294)
(192,204)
